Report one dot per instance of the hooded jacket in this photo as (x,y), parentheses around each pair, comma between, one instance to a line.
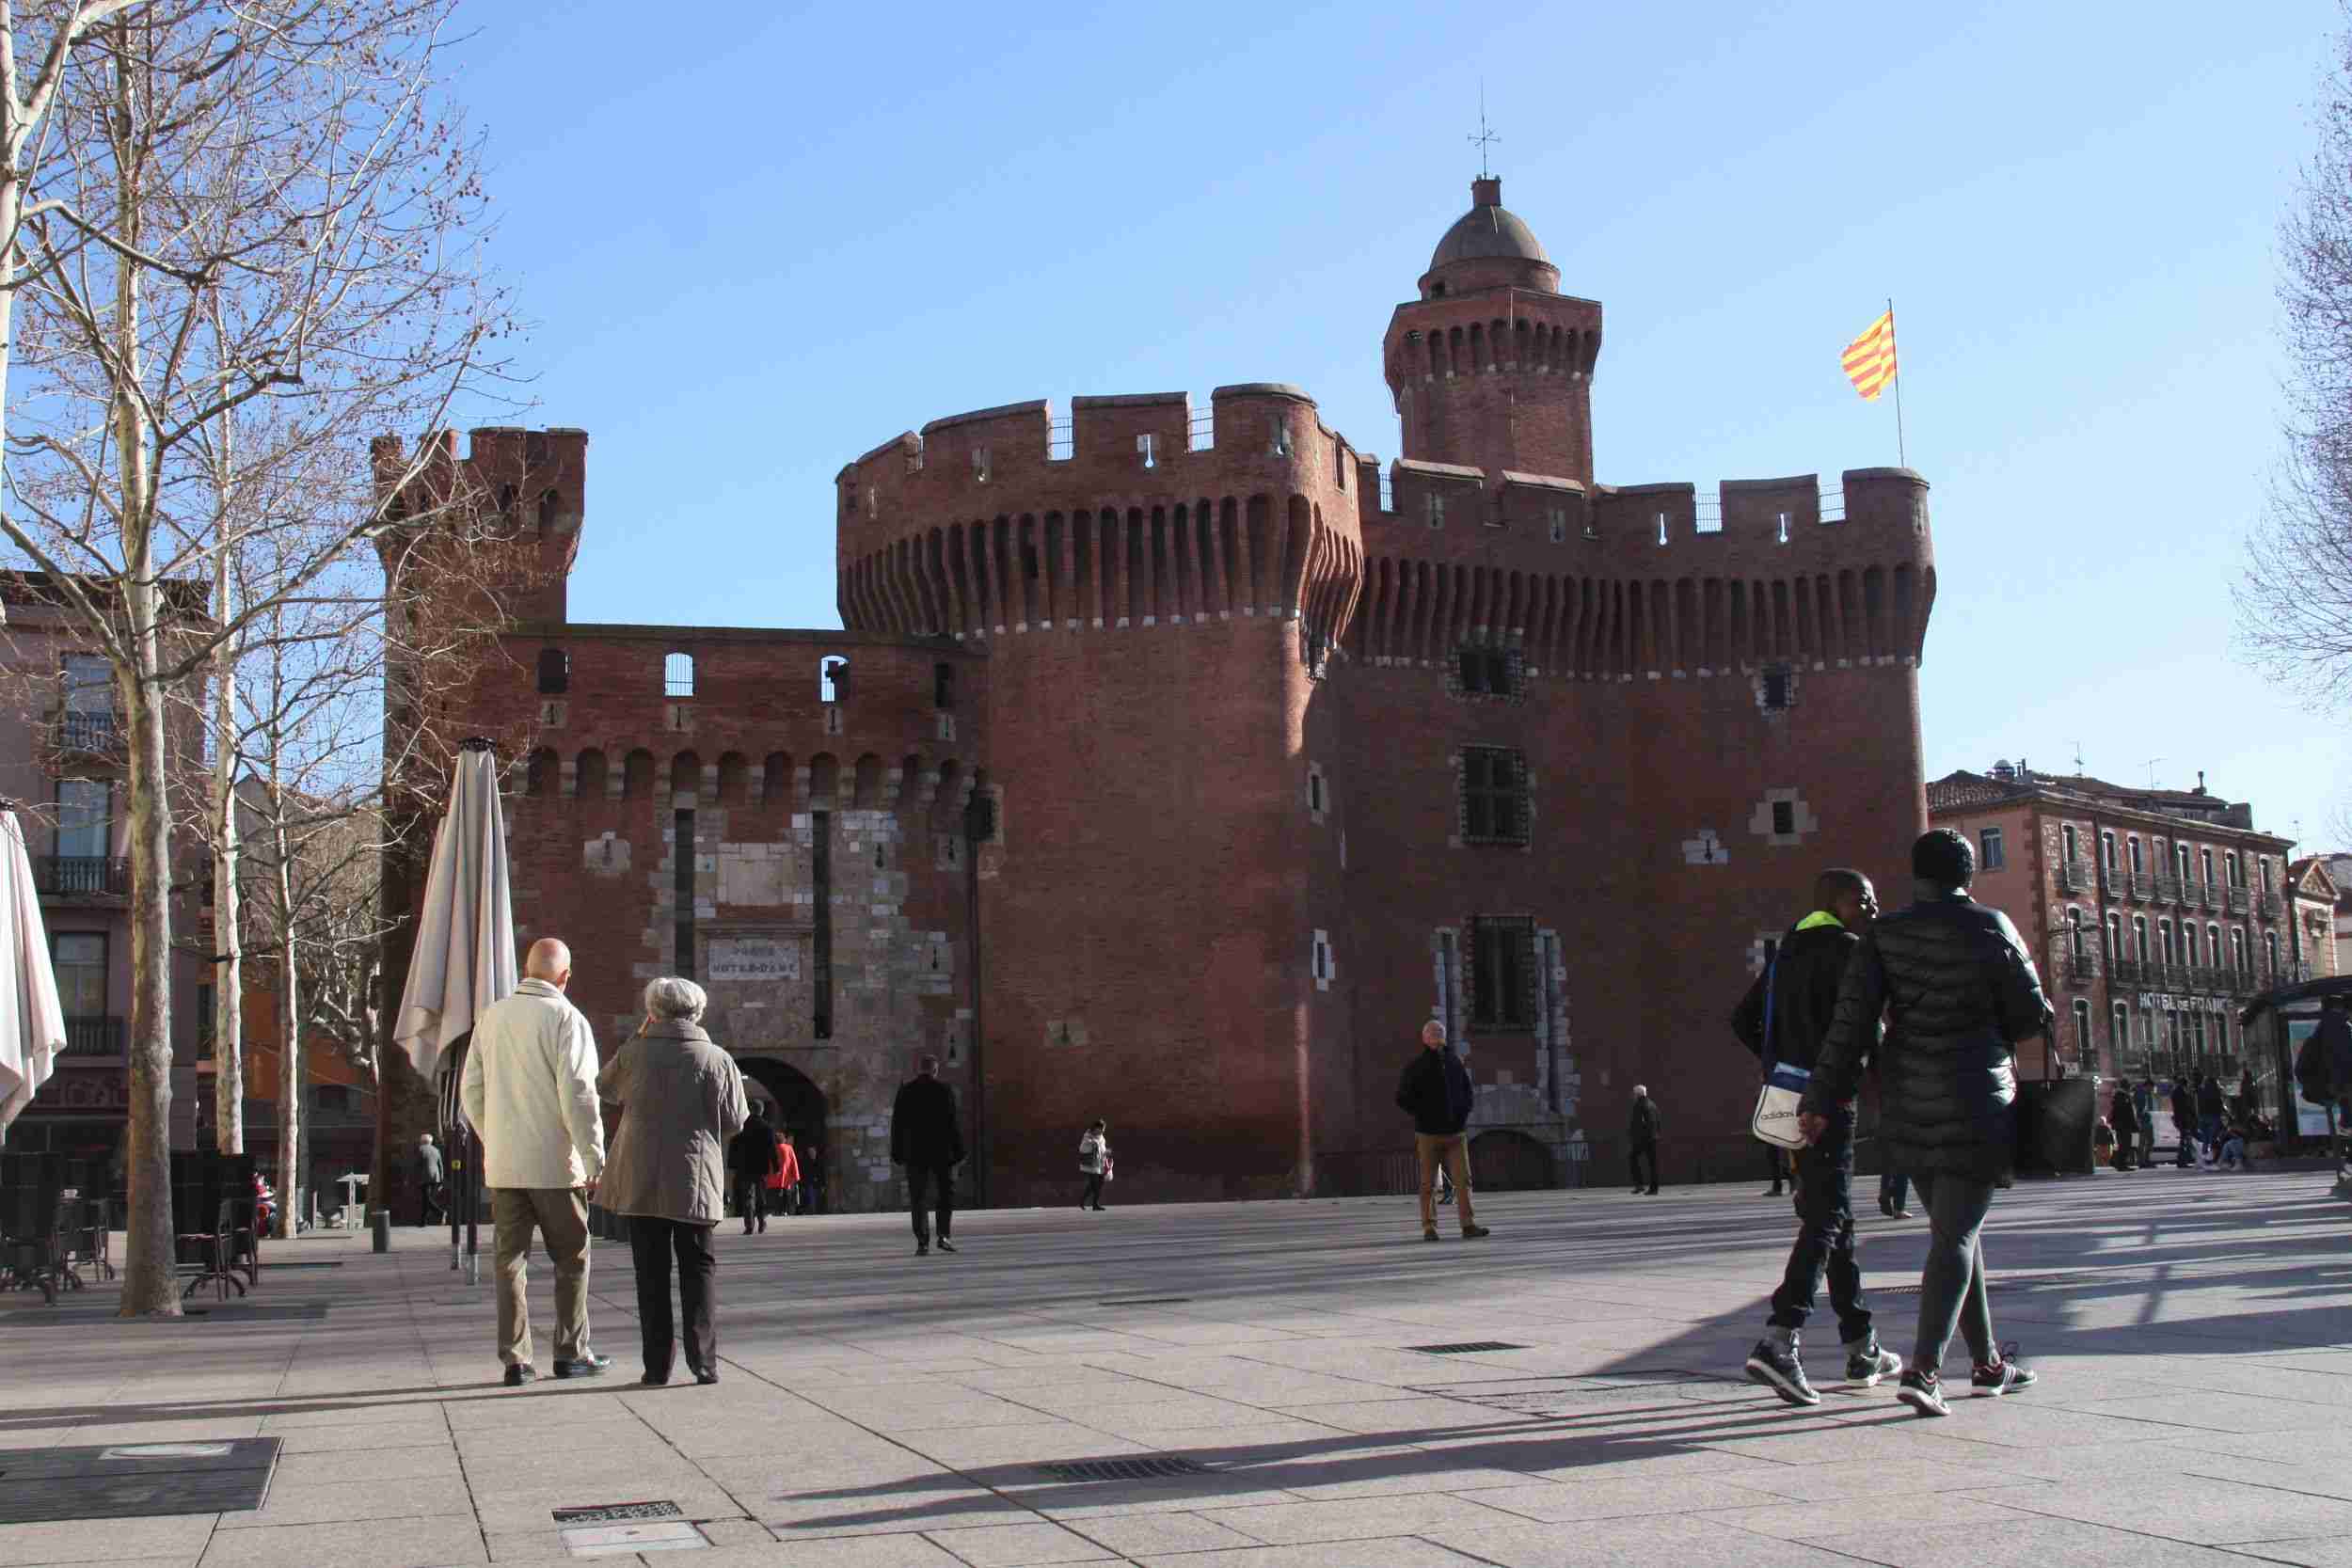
(1958,992)
(1804,979)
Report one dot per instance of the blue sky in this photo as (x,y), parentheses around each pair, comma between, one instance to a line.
(754,248)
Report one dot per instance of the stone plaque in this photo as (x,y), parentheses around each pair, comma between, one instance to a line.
(754,958)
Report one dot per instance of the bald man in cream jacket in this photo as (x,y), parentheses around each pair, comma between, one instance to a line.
(531,1092)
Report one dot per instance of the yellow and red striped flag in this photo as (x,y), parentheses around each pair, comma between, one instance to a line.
(1870,359)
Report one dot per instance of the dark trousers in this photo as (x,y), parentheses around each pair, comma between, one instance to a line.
(1092,1197)
(1895,1189)
(1824,1237)
(651,1243)
(749,1192)
(2123,1136)
(1645,1150)
(428,1211)
(2187,1132)
(1951,1286)
(920,1179)
(1776,1163)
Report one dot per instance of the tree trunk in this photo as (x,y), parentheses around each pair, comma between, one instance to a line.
(150,1285)
(229,961)
(290,1165)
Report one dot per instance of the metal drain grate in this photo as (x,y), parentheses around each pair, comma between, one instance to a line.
(614,1514)
(1144,1300)
(1156,1467)
(1466,1347)
(129,1480)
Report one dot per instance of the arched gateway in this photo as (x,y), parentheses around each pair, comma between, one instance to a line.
(794,1105)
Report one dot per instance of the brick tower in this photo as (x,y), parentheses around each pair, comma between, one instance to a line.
(1492,367)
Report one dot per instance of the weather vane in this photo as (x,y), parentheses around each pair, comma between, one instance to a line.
(1485,138)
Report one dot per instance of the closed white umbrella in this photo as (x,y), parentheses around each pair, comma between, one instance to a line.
(464,956)
(32,1024)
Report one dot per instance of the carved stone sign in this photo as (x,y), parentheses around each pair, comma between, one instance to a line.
(754,958)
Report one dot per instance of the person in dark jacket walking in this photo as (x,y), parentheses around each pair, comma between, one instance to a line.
(751,1159)
(428,1171)
(926,1138)
(1641,1136)
(1435,1090)
(2209,1109)
(1958,992)
(2184,1123)
(1803,980)
(2123,1116)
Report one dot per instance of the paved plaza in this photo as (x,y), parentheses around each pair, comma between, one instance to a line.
(2194,1334)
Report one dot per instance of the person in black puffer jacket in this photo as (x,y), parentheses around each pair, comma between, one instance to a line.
(1958,992)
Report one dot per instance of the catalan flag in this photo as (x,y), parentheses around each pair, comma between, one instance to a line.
(1870,359)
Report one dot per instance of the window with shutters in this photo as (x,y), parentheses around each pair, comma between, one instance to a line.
(1494,794)
(1502,974)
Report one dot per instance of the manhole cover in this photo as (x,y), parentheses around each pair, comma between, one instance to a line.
(1466,1348)
(1144,1300)
(1154,1468)
(131,1480)
(673,1535)
(614,1514)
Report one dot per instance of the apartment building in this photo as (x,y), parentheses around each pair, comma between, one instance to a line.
(62,763)
(2153,914)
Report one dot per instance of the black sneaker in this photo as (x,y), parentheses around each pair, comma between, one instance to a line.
(1781,1372)
(1867,1362)
(1473,1232)
(518,1374)
(1429,1235)
(2006,1376)
(946,1245)
(591,1364)
(1923,1393)
(922,1249)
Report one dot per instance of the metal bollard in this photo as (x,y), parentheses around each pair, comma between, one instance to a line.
(381,1222)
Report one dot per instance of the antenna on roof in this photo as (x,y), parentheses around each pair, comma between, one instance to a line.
(2078,756)
(2150,766)
(1484,138)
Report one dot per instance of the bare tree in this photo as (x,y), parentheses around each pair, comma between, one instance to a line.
(2294,605)
(259,209)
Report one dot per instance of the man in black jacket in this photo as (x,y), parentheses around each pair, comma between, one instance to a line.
(1640,1138)
(1958,992)
(2124,1117)
(751,1159)
(2184,1123)
(1435,1090)
(1804,979)
(926,1138)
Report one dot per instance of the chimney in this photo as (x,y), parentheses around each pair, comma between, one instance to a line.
(2201,781)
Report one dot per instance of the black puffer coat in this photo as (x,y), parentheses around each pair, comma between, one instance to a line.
(1958,992)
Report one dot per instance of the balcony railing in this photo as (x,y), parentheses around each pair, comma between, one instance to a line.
(82,876)
(2143,886)
(93,1036)
(2075,876)
(2193,894)
(2268,906)
(2113,879)
(2168,889)
(2239,900)
(2128,971)
(90,734)
(2079,966)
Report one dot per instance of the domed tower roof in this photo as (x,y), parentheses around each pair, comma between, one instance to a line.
(1489,246)
(1488,230)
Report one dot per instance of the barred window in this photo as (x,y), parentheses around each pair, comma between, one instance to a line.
(1485,672)
(1503,985)
(1494,794)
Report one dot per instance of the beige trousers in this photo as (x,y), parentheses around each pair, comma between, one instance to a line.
(1453,1148)
(561,1215)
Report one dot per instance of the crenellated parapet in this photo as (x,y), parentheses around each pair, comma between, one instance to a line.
(1649,580)
(1136,512)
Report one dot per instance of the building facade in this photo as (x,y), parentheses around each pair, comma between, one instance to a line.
(2153,914)
(63,762)
(1175,762)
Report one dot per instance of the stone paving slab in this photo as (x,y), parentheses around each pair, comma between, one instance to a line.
(880,1411)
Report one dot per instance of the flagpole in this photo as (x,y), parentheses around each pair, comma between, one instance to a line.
(1901,455)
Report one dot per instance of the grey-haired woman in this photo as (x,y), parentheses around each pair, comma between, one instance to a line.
(681,1098)
(1094,1163)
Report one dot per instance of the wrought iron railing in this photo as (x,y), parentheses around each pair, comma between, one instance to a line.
(2075,876)
(93,1036)
(82,876)
(2239,900)
(97,733)
(2168,889)
(2193,894)
(2268,906)
(2143,886)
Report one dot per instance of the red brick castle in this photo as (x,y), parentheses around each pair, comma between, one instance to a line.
(1176,764)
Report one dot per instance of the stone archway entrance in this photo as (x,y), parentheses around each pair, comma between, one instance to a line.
(793,1104)
(1503,1161)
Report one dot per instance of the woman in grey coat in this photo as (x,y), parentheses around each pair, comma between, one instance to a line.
(681,1098)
